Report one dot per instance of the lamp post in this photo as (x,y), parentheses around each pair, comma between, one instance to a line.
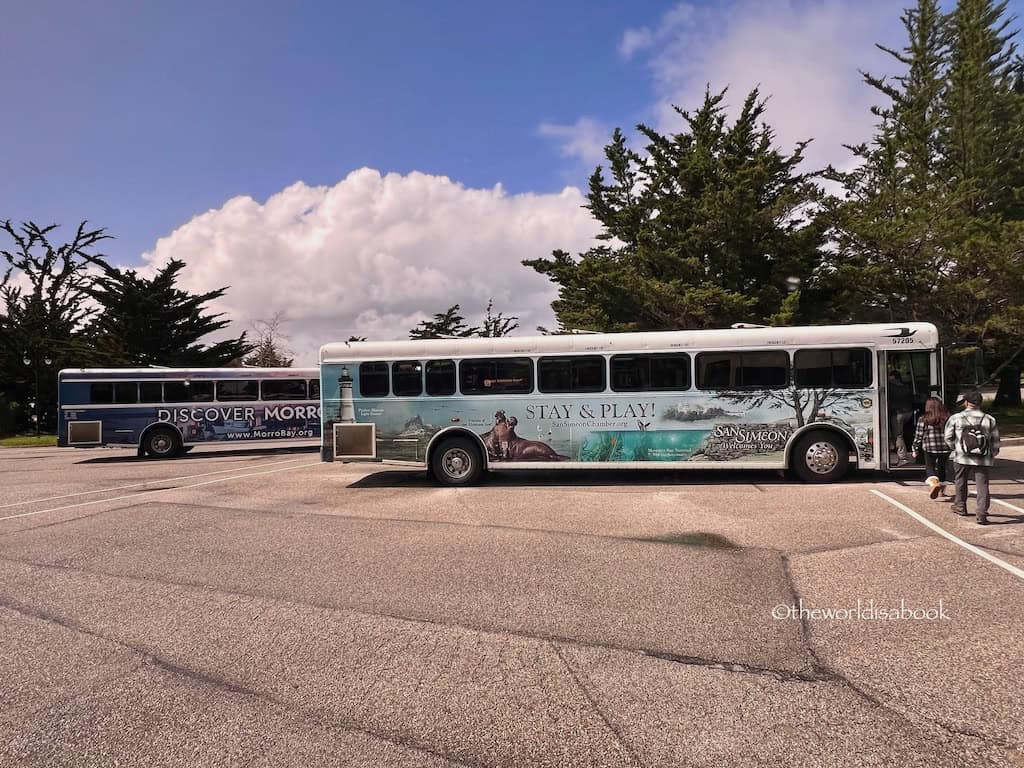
(34,402)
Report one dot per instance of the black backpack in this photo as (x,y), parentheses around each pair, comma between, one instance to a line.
(974,440)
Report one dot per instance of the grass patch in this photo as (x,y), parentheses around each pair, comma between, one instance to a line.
(1010,420)
(692,539)
(28,441)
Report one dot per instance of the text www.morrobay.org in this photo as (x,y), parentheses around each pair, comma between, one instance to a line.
(864,610)
(269,434)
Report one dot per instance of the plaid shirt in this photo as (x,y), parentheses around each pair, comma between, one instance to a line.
(930,438)
(955,428)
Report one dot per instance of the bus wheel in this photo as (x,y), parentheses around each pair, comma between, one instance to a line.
(456,461)
(820,457)
(162,443)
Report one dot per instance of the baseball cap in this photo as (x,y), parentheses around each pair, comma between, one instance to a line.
(973,397)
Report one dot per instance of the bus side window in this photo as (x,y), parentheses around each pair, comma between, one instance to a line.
(283,389)
(175,392)
(851,368)
(571,374)
(188,391)
(101,393)
(513,375)
(715,370)
(764,369)
(314,389)
(630,373)
(407,378)
(126,392)
(440,377)
(150,392)
(200,391)
(670,372)
(241,389)
(841,368)
(373,379)
(641,373)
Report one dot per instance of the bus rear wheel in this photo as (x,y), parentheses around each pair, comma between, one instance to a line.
(821,457)
(161,443)
(456,461)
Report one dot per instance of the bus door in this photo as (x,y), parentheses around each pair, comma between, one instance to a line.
(906,380)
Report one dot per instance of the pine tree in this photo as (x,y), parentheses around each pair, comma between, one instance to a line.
(983,163)
(447,323)
(981,131)
(929,226)
(711,226)
(452,324)
(888,260)
(152,322)
(496,324)
(41,316)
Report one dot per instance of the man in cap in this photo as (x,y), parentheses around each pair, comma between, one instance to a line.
(973,437)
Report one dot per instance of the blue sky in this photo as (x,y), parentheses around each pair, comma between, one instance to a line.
(232,135)
(139,115)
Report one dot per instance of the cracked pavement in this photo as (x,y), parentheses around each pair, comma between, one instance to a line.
(259,608)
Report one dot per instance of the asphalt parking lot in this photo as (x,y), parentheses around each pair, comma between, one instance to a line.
(264,609)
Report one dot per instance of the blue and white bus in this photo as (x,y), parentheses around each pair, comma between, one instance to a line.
(813,399)
(166,411)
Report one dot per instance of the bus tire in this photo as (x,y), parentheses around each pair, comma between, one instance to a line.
(457,461)
(820,457)
(161,443)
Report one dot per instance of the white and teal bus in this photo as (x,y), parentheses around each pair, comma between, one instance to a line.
(166,411)
(812,399)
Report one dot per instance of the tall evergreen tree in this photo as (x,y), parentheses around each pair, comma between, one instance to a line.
(929,226)
(982,131)
(888,261)
(153,322)
(713,225)
(43,306)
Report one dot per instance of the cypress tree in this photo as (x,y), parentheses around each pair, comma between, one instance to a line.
(708,227)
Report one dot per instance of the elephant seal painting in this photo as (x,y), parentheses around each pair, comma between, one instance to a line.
(503,444)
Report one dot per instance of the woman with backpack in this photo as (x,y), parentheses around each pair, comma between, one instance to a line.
(930,438)
(974,438)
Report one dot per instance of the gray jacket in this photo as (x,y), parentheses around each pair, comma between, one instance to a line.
(955,427)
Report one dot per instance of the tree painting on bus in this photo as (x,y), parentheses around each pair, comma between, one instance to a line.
(724,426)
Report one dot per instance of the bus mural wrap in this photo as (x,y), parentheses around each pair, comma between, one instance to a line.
(163,411)
(817,400)
(732,426)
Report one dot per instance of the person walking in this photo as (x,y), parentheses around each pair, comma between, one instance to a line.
(901,411)
(973,437)
(929,438)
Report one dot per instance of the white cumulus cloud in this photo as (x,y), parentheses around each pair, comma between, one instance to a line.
(373,255)
(635,39)
(583,140)
(804,55)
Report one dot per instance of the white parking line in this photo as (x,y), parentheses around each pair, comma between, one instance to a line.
(154,480)
(1004,504)
(943,532)
(159,490)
